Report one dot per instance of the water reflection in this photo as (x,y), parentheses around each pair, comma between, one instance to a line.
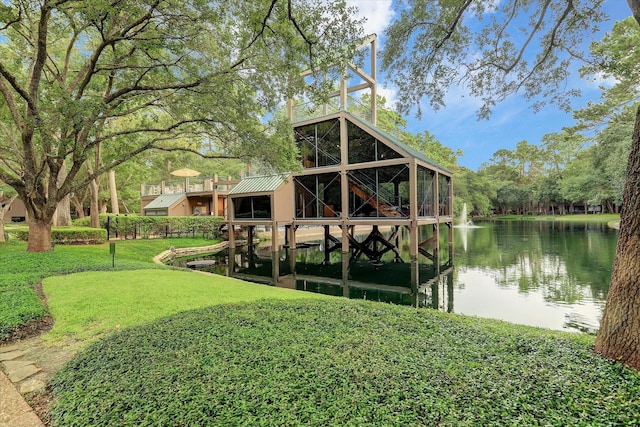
(305,269)
(549,274)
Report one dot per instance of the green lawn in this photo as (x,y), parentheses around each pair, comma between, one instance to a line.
(21,271)
(86,305)
(338,362)
(162,346)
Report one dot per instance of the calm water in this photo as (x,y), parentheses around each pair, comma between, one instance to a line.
(549,274)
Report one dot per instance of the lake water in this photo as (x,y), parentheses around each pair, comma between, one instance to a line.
(549,274)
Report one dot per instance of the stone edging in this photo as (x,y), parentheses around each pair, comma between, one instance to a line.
(172,252)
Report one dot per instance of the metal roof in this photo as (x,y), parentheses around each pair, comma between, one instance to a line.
(369,127)
(165,201)
(259,184)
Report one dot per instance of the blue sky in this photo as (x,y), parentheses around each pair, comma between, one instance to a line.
(513,120)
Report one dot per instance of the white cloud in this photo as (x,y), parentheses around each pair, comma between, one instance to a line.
(599,80)
(377,12)
(389,94)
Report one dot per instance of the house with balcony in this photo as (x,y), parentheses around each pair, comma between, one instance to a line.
(186,196)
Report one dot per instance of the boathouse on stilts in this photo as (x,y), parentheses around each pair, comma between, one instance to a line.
(354,176)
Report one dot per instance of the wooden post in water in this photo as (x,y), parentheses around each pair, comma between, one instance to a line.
(275,249)
(232,235)
(327,250)
(275,267)
(231,263)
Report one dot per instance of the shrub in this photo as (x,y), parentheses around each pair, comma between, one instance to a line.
(133,226)
(341,362)
(67,235)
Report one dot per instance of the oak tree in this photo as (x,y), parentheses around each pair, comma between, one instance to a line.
(77,76)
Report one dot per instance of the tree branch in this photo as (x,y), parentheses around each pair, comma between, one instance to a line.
(264,25)
(302,34)
(552,42)
(11,104)
(89,68)
(117,94)
(454,25)
(14,21)
(16,86)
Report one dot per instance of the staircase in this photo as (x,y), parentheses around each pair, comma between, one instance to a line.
(377,201)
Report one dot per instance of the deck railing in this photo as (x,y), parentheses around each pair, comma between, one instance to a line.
(188,185)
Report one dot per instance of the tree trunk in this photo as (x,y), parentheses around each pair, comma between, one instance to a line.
(94,213)
(62,217)
(39,236)
(113,192)
(78,207)
(619,335)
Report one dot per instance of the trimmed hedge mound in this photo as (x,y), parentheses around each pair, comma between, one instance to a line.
(341,362)
(68,235)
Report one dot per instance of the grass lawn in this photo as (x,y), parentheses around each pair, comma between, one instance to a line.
(341,362)
(87,305)
(20,271)
(162,346)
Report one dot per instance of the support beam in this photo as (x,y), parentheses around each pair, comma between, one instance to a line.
(275,267)
(327,252)
(373,247)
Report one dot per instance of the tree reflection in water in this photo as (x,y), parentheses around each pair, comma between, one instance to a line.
(549,274)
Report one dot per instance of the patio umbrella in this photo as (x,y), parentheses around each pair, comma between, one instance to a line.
(185,172)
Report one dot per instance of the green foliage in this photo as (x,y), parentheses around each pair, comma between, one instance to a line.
(108,81)
(130,226)
(341,362)
(477,190)
(492,49)
(616,57)
(21,271)
(88,305)
(19,302)
(67,235)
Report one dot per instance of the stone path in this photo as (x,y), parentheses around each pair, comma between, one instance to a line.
(25,367)
(21,377)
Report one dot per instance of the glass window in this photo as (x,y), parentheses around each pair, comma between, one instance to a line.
(319,143)
(425,190)
(363,147)
(252,207)
(444,194)
(157,212)
(318,196)
(384,152)
(379,192)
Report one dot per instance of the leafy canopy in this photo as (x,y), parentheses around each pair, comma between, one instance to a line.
(492,49)
(135,75)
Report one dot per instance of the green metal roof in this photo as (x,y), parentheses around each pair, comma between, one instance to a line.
(258,184)
(165,201)
(388,138)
